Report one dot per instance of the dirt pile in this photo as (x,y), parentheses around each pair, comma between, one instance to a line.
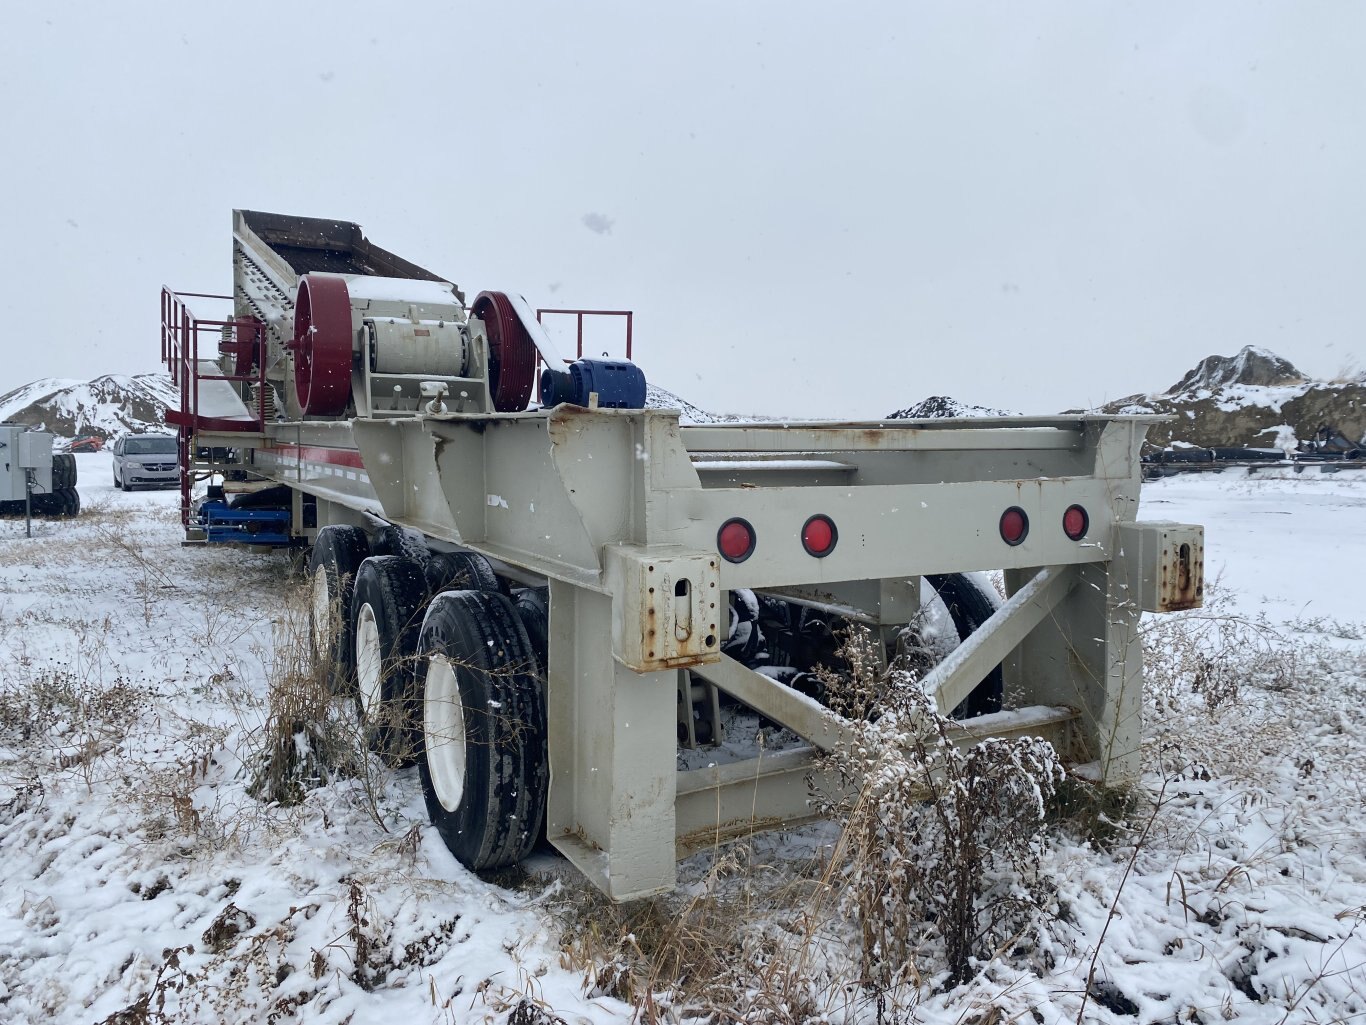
(943,406)
(104,407)
(1253,398)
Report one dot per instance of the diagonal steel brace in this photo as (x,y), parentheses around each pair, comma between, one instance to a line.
(803,715)
(953,679)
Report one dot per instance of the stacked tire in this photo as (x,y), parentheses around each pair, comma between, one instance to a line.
(62,501)
(65,503)
(63,471)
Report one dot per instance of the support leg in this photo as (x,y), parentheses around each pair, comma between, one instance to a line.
(613,753)
(1086,654)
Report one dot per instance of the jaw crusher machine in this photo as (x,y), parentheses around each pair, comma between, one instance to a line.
(543,602)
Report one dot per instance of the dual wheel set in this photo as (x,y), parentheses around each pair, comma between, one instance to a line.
(448,670)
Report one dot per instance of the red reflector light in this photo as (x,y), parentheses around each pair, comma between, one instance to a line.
(1075,522)
(819,536)
(1014,525)
(735,540)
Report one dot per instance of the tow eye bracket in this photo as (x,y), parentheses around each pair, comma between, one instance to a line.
(667,600)
(1164,564)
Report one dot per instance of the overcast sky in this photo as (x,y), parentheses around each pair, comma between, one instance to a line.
(831,210)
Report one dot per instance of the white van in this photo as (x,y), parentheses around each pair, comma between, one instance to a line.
(146,459)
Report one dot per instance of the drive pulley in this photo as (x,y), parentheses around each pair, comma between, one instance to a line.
(512,353)
(322,344)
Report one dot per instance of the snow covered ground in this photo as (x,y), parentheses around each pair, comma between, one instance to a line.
(140,882)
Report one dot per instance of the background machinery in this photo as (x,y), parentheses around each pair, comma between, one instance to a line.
(32,478)
(547,605)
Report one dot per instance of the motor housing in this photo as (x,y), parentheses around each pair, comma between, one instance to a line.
(619,384)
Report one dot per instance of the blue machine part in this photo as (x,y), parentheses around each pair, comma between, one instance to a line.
(620,384)
(223,523)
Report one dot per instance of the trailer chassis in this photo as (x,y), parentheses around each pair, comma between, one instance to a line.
(393,419)
(618,512)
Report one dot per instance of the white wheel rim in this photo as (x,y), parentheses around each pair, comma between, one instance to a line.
(322,614)
(368,661)
(443,723)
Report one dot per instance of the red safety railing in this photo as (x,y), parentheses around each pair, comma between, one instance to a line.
(580,314)
(578,348)
(182,353)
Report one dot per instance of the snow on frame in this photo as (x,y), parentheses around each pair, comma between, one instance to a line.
(1244,902)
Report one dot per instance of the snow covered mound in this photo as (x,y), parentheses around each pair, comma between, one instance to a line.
(661,398)
(107,406)
(1254,398)
(1251,366)
(943,406)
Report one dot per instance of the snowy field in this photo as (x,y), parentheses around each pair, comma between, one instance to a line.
(141,882)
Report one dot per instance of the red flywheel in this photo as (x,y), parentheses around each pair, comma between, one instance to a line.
(322,344)
(512,353)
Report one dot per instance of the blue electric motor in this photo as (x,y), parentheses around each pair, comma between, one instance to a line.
(620,384)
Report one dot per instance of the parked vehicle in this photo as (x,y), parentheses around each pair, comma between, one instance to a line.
(542,604)
(146,460)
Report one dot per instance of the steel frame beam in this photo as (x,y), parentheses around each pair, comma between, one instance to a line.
(953,679)
(804,716)
(723,802)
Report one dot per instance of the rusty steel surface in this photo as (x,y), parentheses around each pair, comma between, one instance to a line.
(1181,575)
(578,316)
(669,607)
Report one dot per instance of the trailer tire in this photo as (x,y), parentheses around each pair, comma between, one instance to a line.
(745,638)
(970,606)
(404,541)
(387,616)
(533,605)
(459,571)
(338,552)
(483,766)
(63,471)
(68,502)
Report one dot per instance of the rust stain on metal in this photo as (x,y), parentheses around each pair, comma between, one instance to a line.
(1181,578)
(874,436)
(708,836)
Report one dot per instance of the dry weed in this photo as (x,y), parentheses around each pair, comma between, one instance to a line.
(309,736)
(937,863)
(743,944)
(1213,653)
(938,841)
